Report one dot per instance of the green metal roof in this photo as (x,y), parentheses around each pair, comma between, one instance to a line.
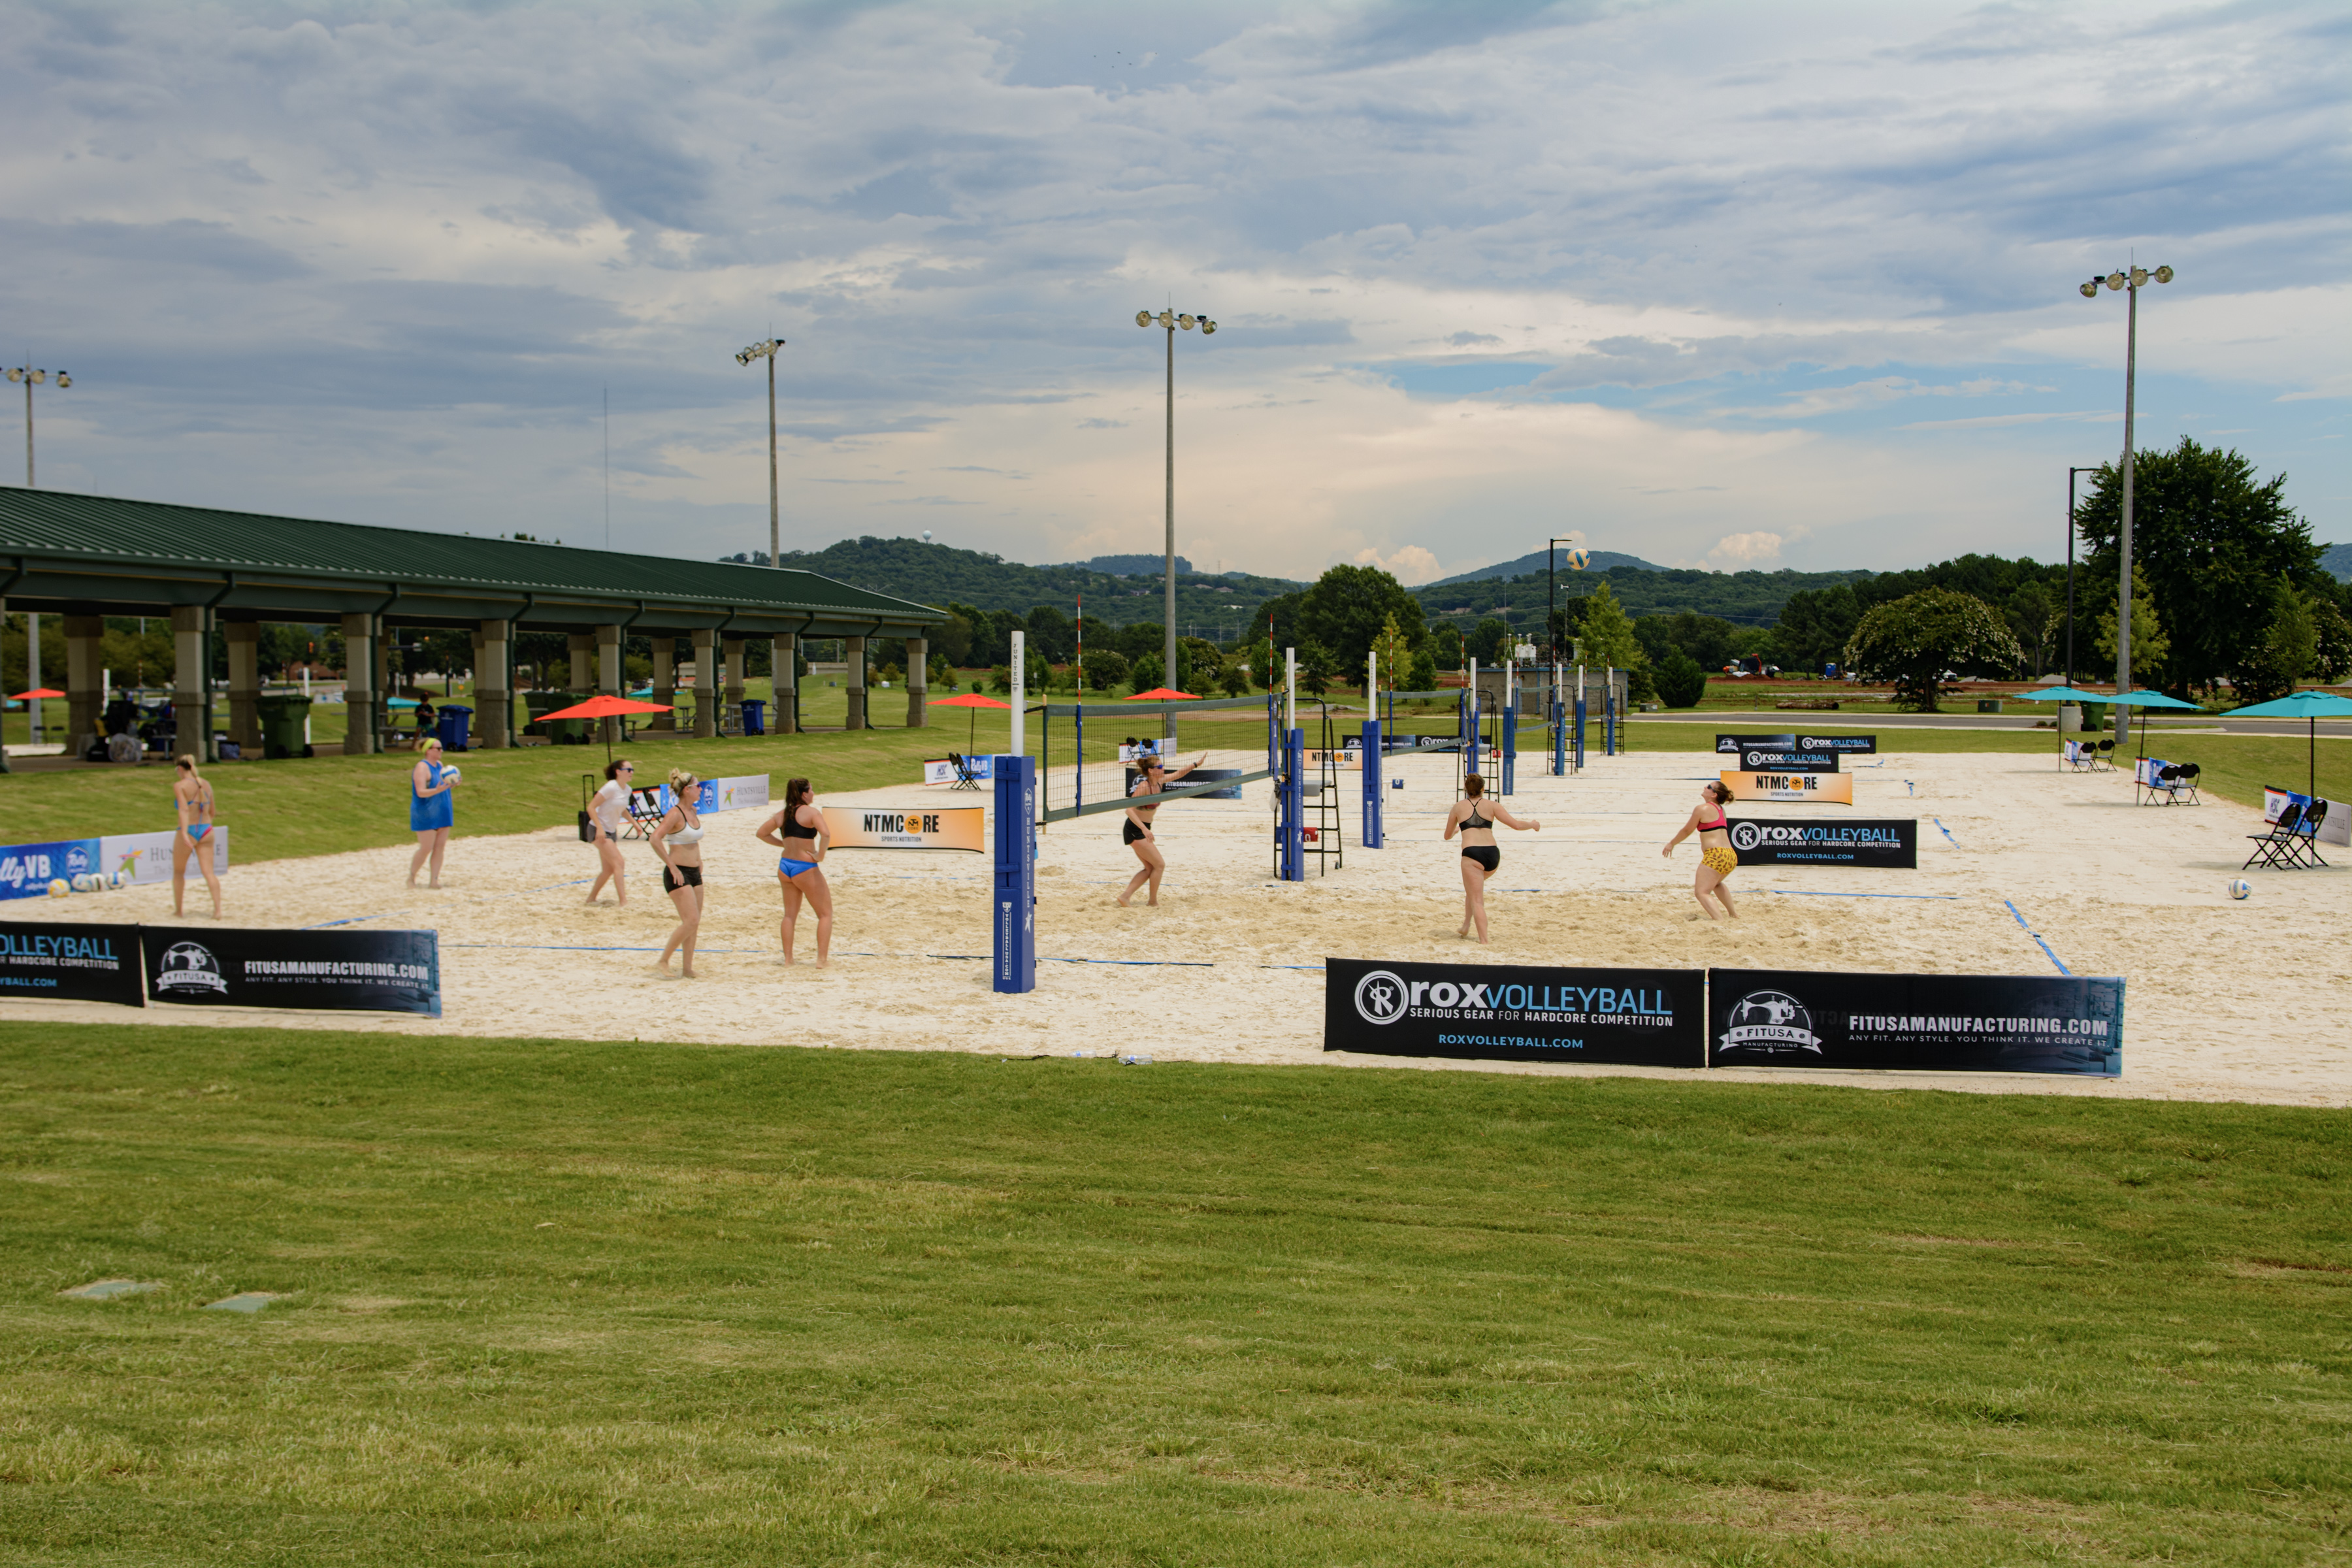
(99,551)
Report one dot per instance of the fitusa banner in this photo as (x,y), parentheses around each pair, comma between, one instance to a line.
(1949,1023)
(1497,1012)
(372,971)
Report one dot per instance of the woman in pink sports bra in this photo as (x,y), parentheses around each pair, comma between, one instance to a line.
(1716,860)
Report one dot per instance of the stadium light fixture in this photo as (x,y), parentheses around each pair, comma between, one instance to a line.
(1171,321)
(766,349)
(2133,278)
(33,378)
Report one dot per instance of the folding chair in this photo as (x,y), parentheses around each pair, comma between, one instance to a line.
(2106,755)
(2187,774)
(2080,756)
(2288,846)
(964,774)
(645,810)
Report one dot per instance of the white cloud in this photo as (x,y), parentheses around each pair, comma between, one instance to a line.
(1411,565)
(1734,551)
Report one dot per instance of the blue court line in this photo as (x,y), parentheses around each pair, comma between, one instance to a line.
(355,920)
(1812,893)
(2037,938)
(1945,831)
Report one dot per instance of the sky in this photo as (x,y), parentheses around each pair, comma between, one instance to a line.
(1718,284)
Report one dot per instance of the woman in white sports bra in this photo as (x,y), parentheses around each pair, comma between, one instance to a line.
(605,815)
(678,839)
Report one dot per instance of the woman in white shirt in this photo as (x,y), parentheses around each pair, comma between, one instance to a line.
(605,815)
(678,839)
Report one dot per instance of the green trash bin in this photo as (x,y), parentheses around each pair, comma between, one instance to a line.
(282,718)
(563,731)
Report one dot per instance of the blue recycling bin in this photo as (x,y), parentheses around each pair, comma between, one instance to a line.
(755,715)
(451,724)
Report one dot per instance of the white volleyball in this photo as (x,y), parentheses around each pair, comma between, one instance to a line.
(2240,888)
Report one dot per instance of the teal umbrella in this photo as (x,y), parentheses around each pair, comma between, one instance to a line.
(2063,694)
(2149,700)
(2309,706)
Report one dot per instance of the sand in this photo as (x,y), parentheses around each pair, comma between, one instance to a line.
(2246,1001)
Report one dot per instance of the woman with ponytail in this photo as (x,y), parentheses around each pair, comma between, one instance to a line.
(678,839)
(191,798)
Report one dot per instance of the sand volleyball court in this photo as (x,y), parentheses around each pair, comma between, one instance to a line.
(2226,1000)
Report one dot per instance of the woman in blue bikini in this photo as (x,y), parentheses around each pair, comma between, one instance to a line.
(431,811)
(799,831)
(193,797)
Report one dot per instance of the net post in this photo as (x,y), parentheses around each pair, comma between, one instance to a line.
(1372,835)
(1508,719)
(1013,908)
(1291,790)
(1583,718)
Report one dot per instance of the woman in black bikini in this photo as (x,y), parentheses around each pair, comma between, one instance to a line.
(1474,817)
(1136,825)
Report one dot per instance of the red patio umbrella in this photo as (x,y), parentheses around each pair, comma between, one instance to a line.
(975,702)
(1161,694)
(603,706)
(36,691)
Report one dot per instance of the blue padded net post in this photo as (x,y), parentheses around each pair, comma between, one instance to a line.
(1012,909)
(1372,781)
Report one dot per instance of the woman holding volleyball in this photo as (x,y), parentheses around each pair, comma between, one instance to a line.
(799,831)
(1716,859)
(431,811)
(678,839)
(191,798)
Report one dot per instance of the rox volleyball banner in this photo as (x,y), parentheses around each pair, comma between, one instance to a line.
(1949,1023)
(1889,846)
(344,971)
(71,962)
(936,827)
(1828,789)
(1495,1012)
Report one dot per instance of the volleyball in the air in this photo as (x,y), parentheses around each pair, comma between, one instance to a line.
(57,889)
(1577,560)
(2240,887)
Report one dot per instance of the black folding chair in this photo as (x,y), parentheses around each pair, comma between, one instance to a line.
(964,774)
(2185,779)
(2106,757)
(2289,845)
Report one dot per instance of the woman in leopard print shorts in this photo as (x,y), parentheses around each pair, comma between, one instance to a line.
(1716,859)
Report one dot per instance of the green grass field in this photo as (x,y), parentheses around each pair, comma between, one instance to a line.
(323,805)
(553,1302)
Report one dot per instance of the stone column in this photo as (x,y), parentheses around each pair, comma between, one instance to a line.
(783,682)
(188,679)
(732,650)
(705,682)
(245,685)
(608,676)
(854,651)
(919,682)
(493,699)
(665,679)
(85,685)
(584,650)
(358,684)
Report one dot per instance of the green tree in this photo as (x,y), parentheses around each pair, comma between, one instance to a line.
(1681,681)
(1486,643)
(1608,640)
(1317,667)
(1445,648)
(1146,674)
(1914,640)
(2034,614)
(1423,675)
(2214,541)
(1232,677)
(1106,669)
(1393,651)
(1276,620)
(1140,637)
(1814,626)
(952,640)
(2287,651)
(2332,655)
(2151,648)
(1349,606)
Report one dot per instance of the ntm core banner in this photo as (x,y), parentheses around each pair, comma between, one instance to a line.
(1947,1023)
(938,827)
(1828,789)
(1497,1012)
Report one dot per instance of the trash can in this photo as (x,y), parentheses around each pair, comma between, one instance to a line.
(1988,704)
(283,716)
(755,715)
(563,731)
(453,720)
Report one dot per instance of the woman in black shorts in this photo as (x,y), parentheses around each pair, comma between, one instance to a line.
(678,839)
(1474,817)
(1136,825)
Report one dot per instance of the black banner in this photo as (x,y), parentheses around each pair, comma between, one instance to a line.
(1891,845)
(1793,753)
(1843,745)
(352,971)
(1946,1022)
(72,963)
(1495,1012)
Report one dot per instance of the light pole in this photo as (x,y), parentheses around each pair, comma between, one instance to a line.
(1171,321)
(2132,280)
(33,378)
(2070,571)
(1551,610)
(766,349)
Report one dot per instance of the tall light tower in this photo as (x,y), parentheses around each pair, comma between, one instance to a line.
(1171,321)
(766,349)
(2131,279)
(33,378)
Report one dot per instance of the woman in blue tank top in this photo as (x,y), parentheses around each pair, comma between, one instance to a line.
(431,811)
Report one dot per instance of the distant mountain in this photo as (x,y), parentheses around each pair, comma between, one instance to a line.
(1603,560)
(1218,608)
(1134,565)
(1743,598)
(2337,559)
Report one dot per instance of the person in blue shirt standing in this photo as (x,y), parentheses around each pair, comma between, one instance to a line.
(431,810)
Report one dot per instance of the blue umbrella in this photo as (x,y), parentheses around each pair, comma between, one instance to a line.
(2309,706)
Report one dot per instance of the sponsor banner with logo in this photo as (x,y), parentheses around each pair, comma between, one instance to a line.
(2335,827)
(1826,789)
(1888,845)
(1197,776)
(1945,1022)
(148,855)
(1136,751)
(941,771)
(1495,1012)
(27,869)
(936,827)
(346,970)
(1794,753)
(71,962)
(720,794)
(1353,757)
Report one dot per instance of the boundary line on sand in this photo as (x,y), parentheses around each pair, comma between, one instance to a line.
(2037,938)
